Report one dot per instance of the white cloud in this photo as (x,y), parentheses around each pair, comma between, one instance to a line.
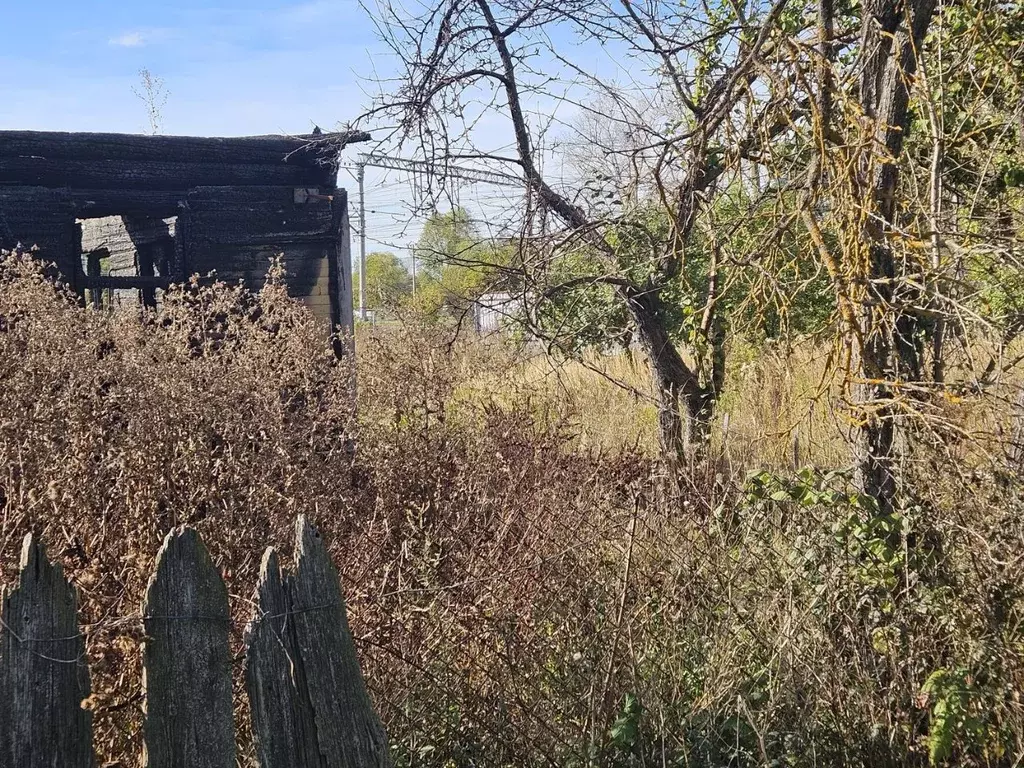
(129,40)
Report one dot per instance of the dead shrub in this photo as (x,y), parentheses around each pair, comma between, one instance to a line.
(516,599)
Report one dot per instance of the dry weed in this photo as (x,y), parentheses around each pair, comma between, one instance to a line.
(522,594)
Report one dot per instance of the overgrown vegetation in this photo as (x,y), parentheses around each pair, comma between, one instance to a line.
(520,595)
(802,217)
(758,170)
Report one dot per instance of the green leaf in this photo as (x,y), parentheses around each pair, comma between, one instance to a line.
(626,728)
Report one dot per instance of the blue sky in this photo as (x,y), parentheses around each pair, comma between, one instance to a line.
(229,67)
(235,67)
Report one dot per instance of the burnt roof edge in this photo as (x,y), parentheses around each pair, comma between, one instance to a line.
(336,137)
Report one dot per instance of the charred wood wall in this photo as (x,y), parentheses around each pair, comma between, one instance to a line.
(239,201)
(41,218)
(235,232)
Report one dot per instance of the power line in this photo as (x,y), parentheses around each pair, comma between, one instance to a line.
(441,169)
(444,170)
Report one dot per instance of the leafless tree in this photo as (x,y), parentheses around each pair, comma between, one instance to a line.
(153,93)
(707,70)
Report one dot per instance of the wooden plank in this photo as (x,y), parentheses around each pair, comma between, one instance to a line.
(283,722)
(260,228)
(305,150)
(265,194)
(340,275)
(32,209)
(252,216)
(303,271)
(179,266)
(154,174)
(44,676)
(97,203)
(238,260)
(126,282)
(348,731)
(275,240)
(235,231)
(290,217)
(44,218)
(187,665)
(94,269)
(309,701)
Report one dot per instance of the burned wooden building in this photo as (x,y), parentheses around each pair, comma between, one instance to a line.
(134,214)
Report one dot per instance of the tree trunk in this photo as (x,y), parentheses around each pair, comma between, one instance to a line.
(888,353)
(875,444)
(680,433)
(671,426)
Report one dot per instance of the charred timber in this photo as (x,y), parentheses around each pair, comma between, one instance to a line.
(151,175)
(254,216)
(97,203)
(125,282)
(303,151)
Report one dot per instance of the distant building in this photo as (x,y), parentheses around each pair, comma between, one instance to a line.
(493,312)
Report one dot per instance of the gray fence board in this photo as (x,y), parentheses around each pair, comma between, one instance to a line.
(187,663)
(309,703)
(348,731)
(308,698)
(282,716)
(44,676)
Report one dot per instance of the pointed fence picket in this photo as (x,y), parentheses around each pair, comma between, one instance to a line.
(302,674)
(43,674)
(308,701)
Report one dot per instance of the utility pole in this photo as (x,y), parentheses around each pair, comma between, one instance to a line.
(360,174)
(480,176)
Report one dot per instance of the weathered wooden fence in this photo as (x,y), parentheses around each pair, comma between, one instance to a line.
(308,701)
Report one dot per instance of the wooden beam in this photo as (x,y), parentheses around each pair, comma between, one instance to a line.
(340,286)
(305,151)
(97,203)
(161,204)
(152,175)
(143,282)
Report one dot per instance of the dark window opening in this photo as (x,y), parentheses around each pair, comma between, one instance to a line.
(126,260)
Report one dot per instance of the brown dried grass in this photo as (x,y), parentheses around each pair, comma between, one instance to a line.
(510,585)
